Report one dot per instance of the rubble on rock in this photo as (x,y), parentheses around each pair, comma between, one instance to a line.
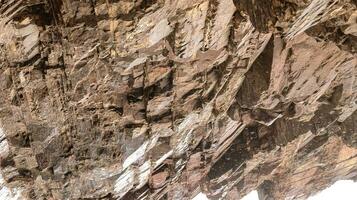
(163,99)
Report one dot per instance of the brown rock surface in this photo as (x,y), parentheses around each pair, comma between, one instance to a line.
(162,99)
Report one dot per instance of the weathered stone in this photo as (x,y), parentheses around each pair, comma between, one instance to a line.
(162,99)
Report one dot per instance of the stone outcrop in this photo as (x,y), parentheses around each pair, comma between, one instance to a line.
(163,99)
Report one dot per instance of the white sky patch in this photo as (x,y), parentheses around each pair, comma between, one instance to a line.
(200,196)
(344,189)
(253,195)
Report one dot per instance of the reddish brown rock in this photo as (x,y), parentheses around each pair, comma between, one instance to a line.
(162,99)
(158,180)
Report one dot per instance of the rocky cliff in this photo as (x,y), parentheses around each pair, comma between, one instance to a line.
(163,99)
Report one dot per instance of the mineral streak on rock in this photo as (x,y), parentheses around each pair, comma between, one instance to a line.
(163,99)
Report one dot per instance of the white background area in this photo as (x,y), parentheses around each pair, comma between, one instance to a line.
(340,190)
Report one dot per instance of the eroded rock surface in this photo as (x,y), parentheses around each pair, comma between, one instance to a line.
(162,99)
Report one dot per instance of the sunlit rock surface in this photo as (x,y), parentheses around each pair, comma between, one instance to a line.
(163,99)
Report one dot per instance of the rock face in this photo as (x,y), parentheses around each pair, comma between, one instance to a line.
(162,99)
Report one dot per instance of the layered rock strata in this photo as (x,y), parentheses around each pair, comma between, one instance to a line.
(163,99)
